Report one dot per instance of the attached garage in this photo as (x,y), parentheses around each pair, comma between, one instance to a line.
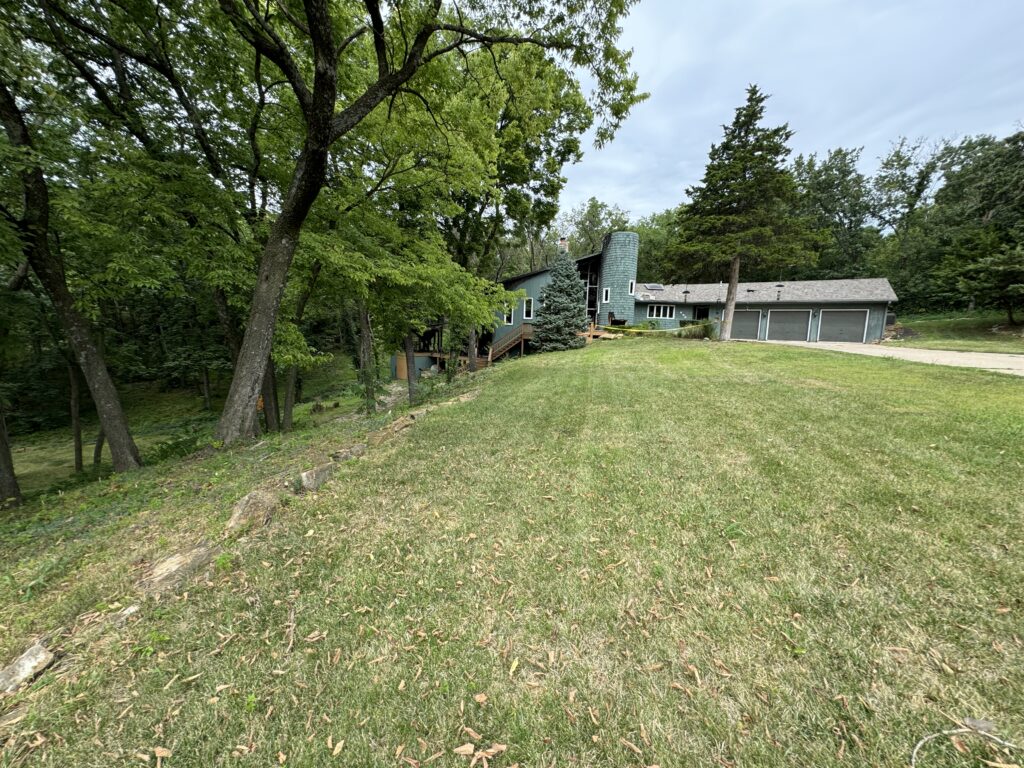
(788,324)
(745,323)
(843,325)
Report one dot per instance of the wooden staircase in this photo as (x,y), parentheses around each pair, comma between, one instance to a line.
(509,342)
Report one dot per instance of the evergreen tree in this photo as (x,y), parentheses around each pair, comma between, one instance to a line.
(744,207)
(563,312)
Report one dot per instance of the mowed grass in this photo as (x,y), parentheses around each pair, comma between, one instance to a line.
(646,552)
(968,332)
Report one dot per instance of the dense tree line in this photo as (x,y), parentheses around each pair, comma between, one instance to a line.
(193,191)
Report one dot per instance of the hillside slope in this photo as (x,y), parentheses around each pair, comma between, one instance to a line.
(643,552)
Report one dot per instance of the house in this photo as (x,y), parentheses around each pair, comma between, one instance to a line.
(797,310)
(801,310)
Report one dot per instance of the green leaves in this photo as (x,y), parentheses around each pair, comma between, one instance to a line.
(746,204)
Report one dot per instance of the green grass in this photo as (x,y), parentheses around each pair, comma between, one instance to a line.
(719,554)
(965,332)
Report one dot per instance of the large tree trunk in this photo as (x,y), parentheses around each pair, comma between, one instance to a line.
(76,416)
(271,411)
(367,373)
(730,298)
(236,419)
(410,365)
(49,268)
(10,492)
(471,345)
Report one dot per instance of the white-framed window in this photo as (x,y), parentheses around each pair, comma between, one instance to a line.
(661,311)
(527,309)
(510,316)
(607,295)
(632,287)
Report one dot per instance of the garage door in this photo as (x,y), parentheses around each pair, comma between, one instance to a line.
(843,325)
(745,323)
(788,324)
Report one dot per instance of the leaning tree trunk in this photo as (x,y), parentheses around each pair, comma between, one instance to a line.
(246,383)
(76,415)
(730,298)
(49,268)
(10,492)
(410,365)
(367,373)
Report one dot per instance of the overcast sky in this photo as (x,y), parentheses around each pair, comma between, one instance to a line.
(844,73)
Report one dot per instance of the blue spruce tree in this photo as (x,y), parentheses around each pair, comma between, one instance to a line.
(563,312)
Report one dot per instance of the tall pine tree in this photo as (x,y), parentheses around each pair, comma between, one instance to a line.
(563,311)
(744,209)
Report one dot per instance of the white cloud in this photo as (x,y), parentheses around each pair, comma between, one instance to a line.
(841,73)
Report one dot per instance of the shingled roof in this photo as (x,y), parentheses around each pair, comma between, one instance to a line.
(873,289)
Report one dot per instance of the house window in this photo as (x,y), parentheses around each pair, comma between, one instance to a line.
(661,311)
(510,316)
(632,287)
(701,313)
(527,308)
(607,296)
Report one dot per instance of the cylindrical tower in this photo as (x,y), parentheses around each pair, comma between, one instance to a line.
(618,275)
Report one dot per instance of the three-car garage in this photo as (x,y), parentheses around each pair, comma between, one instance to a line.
(802,324)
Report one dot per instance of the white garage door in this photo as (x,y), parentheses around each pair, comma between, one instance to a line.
(843,325)
(788,324)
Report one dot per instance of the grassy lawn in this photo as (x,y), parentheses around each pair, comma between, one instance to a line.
(647,552)
(975,332)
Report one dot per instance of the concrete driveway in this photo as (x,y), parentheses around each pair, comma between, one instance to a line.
(986,361)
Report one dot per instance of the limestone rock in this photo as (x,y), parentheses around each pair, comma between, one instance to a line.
(253,510)
(25,668)
(125,613)
(173,570)
(312,479)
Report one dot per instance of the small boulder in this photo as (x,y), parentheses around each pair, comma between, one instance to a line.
(255,509)
(173,570)
(357,450)
(25,668)
(312,479)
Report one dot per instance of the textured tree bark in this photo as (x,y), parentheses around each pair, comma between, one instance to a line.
(271,412)
(730,298)
(236,419)
(97,450)
(367,374)
(10,491)
(49,268)
(76,416)
(471,350)
(410,365)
